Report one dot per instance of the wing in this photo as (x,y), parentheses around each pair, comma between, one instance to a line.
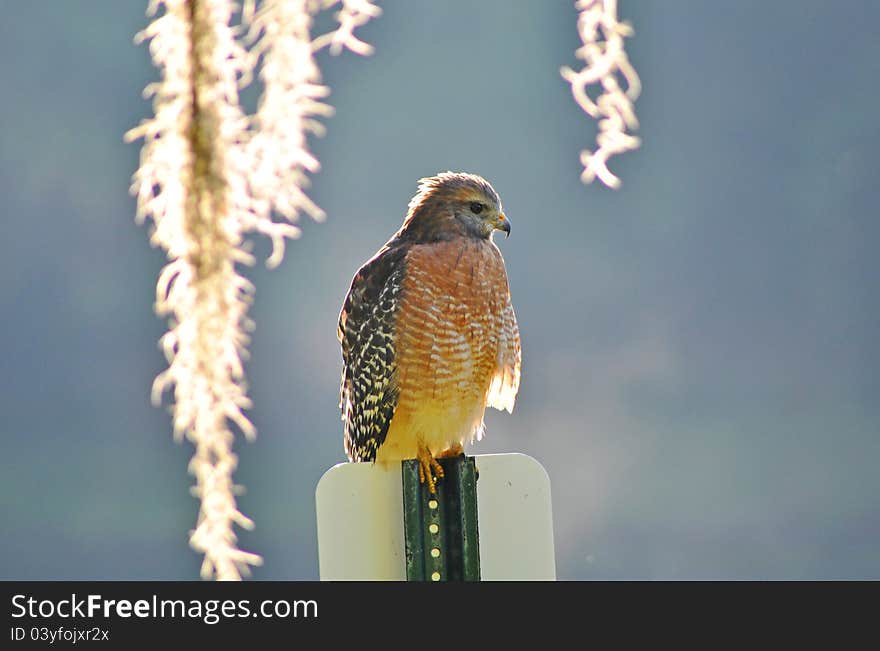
(505,381)
(368,390)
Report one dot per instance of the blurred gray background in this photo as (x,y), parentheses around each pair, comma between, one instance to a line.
(700,373)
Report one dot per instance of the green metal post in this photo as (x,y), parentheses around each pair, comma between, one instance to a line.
(440,530)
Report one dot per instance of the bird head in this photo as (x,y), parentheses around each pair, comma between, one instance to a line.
(454,204)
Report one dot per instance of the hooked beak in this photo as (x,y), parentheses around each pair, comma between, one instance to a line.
(503,224)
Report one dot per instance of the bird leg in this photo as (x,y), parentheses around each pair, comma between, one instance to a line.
(427,462)
(455,451)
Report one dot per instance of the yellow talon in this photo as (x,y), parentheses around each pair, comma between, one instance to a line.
(455,451)
(427,462)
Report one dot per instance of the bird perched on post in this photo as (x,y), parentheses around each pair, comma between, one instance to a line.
(429,337)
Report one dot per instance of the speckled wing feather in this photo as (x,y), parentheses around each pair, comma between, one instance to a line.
(369,391)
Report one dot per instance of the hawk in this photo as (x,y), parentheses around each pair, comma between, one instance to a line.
(429,337)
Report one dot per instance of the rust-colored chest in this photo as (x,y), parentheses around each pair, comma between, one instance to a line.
(448,325)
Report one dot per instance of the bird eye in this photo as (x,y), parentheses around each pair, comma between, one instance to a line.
(476,207)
